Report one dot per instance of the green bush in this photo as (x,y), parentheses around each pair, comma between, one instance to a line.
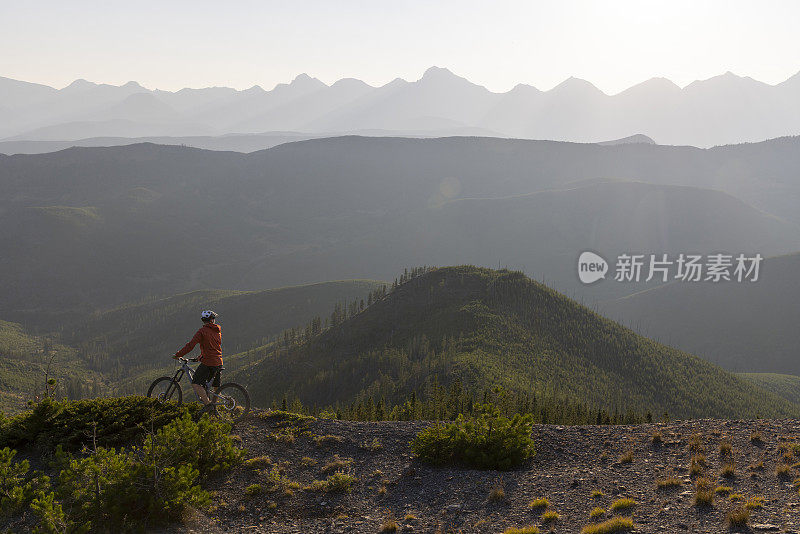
(205,444)
(128,490)
(17,487)
(489,441)
(52,519)
(70,423)
(116,490)
(151,483)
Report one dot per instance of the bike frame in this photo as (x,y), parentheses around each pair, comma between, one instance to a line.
(186,369)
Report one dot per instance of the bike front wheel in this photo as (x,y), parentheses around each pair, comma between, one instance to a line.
(232,402)
(165,389)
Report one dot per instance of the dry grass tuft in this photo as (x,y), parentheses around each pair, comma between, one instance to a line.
(390,525)
(615,524)
(754,503)
(498,492)
(738,517)
(728,470)
(669,483)
(596,512)
(704,492)
(622,505)
(522,530)
(550,516)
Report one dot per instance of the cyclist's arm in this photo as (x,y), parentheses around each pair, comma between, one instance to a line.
(189,346)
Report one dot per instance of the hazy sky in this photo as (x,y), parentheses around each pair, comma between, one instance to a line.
(614,44)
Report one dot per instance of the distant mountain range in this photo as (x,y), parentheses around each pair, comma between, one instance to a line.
(721,110)
(90,228)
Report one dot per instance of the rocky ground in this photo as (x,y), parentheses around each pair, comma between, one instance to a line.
(576,469)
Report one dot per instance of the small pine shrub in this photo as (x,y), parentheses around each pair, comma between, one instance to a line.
(17,487)
(613,525)
(69,423)
(335,483)
(489,441)
(145,485)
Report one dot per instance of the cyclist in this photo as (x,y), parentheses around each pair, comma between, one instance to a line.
(209,336)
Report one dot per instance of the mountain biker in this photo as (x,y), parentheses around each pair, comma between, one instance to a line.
(209,336)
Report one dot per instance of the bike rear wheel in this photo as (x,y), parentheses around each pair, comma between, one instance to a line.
(232,402)
(165,389)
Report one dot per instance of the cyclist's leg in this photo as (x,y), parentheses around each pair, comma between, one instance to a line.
(201,376)
(217,381)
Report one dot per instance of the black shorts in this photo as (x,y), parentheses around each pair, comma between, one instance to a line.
(203,374)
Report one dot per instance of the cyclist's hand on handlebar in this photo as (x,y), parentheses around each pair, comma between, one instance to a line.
(194,359)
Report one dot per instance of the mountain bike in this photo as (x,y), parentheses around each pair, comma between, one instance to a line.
(230,401)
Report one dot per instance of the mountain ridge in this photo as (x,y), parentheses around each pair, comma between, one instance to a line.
(732,108)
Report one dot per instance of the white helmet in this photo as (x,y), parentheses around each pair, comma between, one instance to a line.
(208,315)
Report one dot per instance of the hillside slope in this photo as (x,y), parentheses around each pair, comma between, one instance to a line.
(786,386)
(140,338)
(498,328)
(124,223)
(748,327)
(28,360)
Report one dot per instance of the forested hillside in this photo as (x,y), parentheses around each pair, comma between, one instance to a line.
(748,327)
(121,350)
(476,329)
(27,361)
(786,386)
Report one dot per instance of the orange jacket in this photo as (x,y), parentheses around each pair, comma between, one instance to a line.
(210,339)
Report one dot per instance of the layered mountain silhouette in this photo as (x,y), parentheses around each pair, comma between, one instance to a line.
(721,110)
(97,227)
